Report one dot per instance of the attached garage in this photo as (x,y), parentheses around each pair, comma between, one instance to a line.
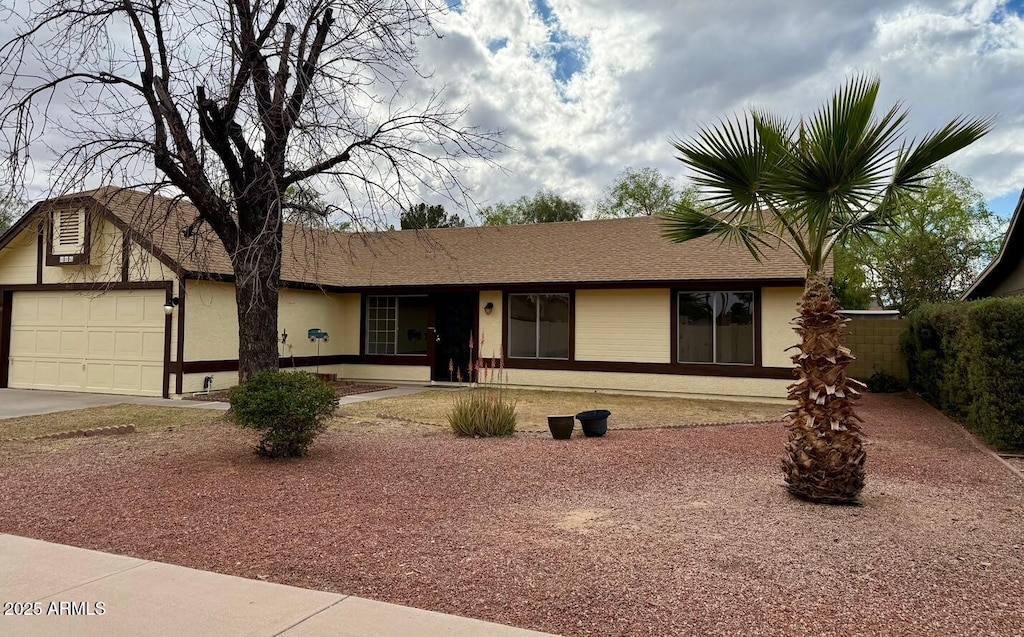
(102,342)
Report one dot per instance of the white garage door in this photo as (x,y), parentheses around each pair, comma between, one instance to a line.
(110,343)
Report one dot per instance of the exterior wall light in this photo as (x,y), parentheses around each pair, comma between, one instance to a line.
(488,308)
(170,305)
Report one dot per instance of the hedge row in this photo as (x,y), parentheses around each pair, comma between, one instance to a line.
(967,359)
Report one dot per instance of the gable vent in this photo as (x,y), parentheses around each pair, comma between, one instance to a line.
(69,232)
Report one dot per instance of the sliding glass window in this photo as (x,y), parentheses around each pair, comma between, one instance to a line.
(716,327)
(538,326)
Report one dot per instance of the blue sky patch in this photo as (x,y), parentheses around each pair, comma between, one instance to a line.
(496,45)
(455,5)
(569,54)
(1005,205)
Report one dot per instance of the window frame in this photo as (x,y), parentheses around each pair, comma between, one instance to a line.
(570,297)
(755,323)
(364,345)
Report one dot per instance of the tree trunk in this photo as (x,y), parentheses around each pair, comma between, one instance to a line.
(256,263)
(825,454)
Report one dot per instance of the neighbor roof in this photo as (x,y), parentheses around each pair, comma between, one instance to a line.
(1006,261)
(600,251)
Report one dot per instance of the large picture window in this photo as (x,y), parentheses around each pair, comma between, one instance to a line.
(396,325)
(538,326)
(716,327)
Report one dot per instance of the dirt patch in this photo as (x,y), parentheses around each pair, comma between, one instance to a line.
(628,412)
(142,416)
(647,532)
(343,387)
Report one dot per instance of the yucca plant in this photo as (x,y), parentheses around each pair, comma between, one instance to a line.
(488,410)
(768,183)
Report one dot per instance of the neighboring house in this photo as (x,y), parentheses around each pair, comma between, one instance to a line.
(1005,275)
(604,305)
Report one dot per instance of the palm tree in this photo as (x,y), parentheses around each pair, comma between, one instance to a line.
(765,183)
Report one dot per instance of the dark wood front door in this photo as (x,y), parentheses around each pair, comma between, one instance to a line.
(455,318)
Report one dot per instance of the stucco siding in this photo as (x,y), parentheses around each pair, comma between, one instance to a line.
(104,258)
(1013,284)
(623,325)
(778,307)
(394,373)
(490,345)
(18,260)
(726,388)
(211,322)
(350,315)
(143,266)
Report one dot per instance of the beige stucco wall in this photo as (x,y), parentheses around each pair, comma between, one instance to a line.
(392,373)
(211,322)
(623,325)
(490,342)
(104,259)
(18,260)
(725,388)
(778,308)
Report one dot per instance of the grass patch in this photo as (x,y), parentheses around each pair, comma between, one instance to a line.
(533,407)
(142,416)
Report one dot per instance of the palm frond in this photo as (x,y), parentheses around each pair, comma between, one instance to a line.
(961,132)
(685,224)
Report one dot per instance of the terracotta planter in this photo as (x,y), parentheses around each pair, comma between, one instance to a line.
(561,426)
(595,422)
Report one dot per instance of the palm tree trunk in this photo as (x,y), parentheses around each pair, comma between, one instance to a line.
(825,455)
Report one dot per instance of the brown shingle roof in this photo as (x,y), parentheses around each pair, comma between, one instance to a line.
(610,250)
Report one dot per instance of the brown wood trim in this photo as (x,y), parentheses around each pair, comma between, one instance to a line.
(674,326)
(718,284)
(285,363)
(6,309)
(166,389)
(179,374)
(86,287)
(39,256)
(145,242)
(126,251)
(678,369)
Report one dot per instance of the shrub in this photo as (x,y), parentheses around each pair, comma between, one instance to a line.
(483,413)
(885,383)
(968,360)
(289,407)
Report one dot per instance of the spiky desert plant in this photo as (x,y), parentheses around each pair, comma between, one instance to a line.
(768,183)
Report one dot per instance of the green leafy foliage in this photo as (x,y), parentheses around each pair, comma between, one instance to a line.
(940,240)
(884,383)
(849,283)
(643,192)
(290,408)
(968,360)
(543,207)
(423,216)
(482,413)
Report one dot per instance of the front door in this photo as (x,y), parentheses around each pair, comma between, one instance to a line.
(454,320)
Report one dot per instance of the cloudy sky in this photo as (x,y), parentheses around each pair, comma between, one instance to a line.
(586,88)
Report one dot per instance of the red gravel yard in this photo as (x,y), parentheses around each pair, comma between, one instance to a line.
(645,532)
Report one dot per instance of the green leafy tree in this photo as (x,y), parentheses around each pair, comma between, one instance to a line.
(850,281)
(424,216)
(543,207)
(941,240)
(11,208)
(770,183)
(642,192)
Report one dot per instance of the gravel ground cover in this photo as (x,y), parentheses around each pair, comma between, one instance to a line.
(645,532)
(533,408)
(142,416)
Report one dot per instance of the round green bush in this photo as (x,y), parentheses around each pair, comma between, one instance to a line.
(290,408)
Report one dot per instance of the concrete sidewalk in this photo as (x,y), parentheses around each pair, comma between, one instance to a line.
(140,597)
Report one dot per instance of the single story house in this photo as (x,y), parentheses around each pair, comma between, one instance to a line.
(1005,275)
(116,291)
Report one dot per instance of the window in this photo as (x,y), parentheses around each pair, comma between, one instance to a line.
(396,325)
(716,327)
(538,326)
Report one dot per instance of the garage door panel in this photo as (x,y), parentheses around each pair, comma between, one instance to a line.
(110,343)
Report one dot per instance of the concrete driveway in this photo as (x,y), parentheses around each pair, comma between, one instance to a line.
(32,402)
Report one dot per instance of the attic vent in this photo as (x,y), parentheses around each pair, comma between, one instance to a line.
(69,232)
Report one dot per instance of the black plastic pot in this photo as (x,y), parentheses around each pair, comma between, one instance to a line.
(561,426)
(595,422)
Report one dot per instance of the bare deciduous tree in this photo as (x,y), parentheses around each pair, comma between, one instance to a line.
(230,104)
